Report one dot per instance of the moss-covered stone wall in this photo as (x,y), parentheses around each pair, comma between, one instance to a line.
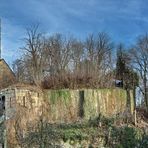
(72,105)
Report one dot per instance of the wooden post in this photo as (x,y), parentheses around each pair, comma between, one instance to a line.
(135,117)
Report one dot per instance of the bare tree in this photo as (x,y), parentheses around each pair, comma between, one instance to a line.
(99,54)
(77,54)
(20,70)
(59,48)
(64,60)
(139,55)
(34,54)
(91,53)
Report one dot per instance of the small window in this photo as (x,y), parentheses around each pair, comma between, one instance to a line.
(24,101)
(10,102)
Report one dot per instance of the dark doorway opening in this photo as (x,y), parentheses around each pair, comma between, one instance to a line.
(81,104)
(1,145)
(3,102)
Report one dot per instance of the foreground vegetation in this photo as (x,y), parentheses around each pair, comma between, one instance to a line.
(99,132)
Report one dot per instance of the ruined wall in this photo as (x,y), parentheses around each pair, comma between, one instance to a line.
(67,105)
(28,98)
(22,104)
(71,105)
(21,97)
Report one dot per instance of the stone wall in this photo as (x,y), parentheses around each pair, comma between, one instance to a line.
(72,105)
(25,97)
(67,105)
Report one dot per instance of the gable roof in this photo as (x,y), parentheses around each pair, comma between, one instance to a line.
(7,76)
(2,61)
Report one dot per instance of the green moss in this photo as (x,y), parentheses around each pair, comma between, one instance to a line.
(55,95)
(105,90)
(106,101)
(123,94)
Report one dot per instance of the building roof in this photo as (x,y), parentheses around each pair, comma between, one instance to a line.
(2,61)
(7,76)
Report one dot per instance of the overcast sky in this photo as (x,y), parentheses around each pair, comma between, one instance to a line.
(124,20)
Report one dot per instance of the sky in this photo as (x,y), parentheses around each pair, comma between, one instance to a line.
(123,20)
